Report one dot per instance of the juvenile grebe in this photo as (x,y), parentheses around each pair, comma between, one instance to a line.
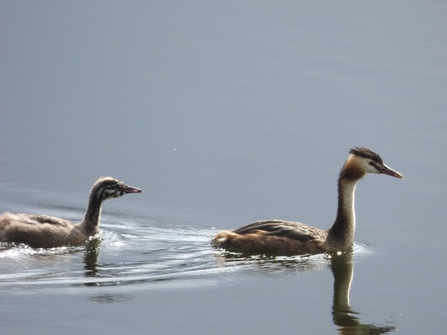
(43,231)
(295,238)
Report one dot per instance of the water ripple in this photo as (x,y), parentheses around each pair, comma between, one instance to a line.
(143,251)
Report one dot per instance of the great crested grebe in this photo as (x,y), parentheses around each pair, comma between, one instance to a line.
(43,231)
(294,238)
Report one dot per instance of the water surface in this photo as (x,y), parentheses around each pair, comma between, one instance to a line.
(223,113)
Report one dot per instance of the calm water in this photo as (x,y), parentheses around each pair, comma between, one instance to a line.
(223,113)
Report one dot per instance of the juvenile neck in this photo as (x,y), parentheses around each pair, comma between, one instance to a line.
(93,212)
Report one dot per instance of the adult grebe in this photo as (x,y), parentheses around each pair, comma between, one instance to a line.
(294,238)
(43,231)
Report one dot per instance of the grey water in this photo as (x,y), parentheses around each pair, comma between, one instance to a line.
(223,113)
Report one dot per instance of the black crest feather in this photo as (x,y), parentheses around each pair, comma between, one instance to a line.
(367,153)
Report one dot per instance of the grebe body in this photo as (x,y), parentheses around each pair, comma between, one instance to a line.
(294,238)
(43,231)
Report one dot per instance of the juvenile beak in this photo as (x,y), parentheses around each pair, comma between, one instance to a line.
(130,189)
(389,171)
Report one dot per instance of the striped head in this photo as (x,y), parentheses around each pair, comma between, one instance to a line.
(108,188)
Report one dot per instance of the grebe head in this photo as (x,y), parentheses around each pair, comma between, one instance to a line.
(108,188)
(367,161)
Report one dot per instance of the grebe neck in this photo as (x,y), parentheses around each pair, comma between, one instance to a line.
(342,231)
(93,212)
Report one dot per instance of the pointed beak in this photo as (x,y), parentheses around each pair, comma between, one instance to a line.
(130,189)
(390,172)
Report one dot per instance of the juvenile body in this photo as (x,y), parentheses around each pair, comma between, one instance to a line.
(44,231)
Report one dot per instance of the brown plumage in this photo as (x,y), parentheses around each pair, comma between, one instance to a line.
(294,238)
(43,231)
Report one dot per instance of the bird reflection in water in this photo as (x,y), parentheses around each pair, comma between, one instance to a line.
(342,268)
(91,258)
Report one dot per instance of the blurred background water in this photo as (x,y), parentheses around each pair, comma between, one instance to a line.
(223,113)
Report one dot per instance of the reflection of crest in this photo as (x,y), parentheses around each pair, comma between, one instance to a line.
(110,298)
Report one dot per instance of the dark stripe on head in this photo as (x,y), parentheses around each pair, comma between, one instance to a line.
(366,153)
(106,181)
(99,187)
